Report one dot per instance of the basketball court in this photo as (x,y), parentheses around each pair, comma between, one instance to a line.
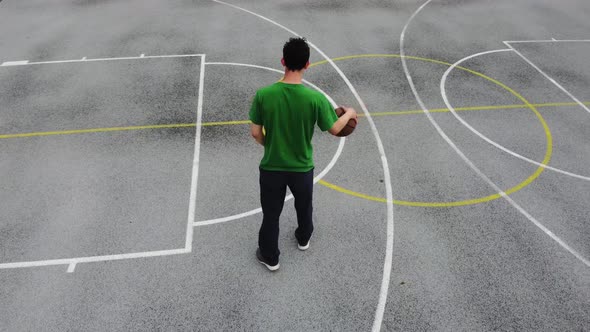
(130,179)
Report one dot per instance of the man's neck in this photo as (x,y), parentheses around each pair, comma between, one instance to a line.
(293,77)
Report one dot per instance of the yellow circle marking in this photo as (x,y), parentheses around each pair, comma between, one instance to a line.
(540,169)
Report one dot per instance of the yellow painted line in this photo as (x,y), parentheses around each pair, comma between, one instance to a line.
(95,130)
(224,123)
(527,104)
(242,122)
(475,108)
(111,129)
(409,203)
(353,193)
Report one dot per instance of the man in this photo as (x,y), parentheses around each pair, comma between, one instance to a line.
(288,111)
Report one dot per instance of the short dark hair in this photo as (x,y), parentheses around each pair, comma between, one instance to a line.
(296,53)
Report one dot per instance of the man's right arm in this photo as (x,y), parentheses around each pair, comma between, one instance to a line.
(257,132)
(343,120)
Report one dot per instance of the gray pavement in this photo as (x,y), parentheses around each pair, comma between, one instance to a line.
(482,266)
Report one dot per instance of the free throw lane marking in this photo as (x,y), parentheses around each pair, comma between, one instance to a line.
(72,262)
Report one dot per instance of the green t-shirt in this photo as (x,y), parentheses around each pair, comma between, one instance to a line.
(289,113)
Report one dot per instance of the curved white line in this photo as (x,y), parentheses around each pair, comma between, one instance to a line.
(465,159)
(386,173)
(288,197)
(475,131)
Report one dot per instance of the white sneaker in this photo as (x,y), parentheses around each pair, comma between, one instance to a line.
(304,247)
(265,262)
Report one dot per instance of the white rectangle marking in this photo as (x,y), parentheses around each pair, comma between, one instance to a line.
(72,262)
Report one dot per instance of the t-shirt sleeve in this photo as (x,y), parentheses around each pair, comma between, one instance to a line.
(255,111)
(326,114)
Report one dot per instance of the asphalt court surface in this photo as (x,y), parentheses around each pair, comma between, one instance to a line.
(103,162)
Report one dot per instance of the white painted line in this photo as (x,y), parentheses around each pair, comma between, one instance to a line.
(485,138)
(549,78)
(195,172)
(553,40)
(386,171)
(381,308)
(492,184)
(15,63)
(72,267)
(108,59)
(84,59)
(288,197)
(93,259)
(142,55)
(230,218)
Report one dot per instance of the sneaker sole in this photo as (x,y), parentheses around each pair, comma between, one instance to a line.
(303,248)
(270,267)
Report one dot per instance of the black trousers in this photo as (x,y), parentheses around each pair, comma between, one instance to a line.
(273,187)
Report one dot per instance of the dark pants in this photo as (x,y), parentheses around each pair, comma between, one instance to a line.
(273,187)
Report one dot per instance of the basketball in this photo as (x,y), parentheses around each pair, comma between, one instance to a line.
(349,128)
